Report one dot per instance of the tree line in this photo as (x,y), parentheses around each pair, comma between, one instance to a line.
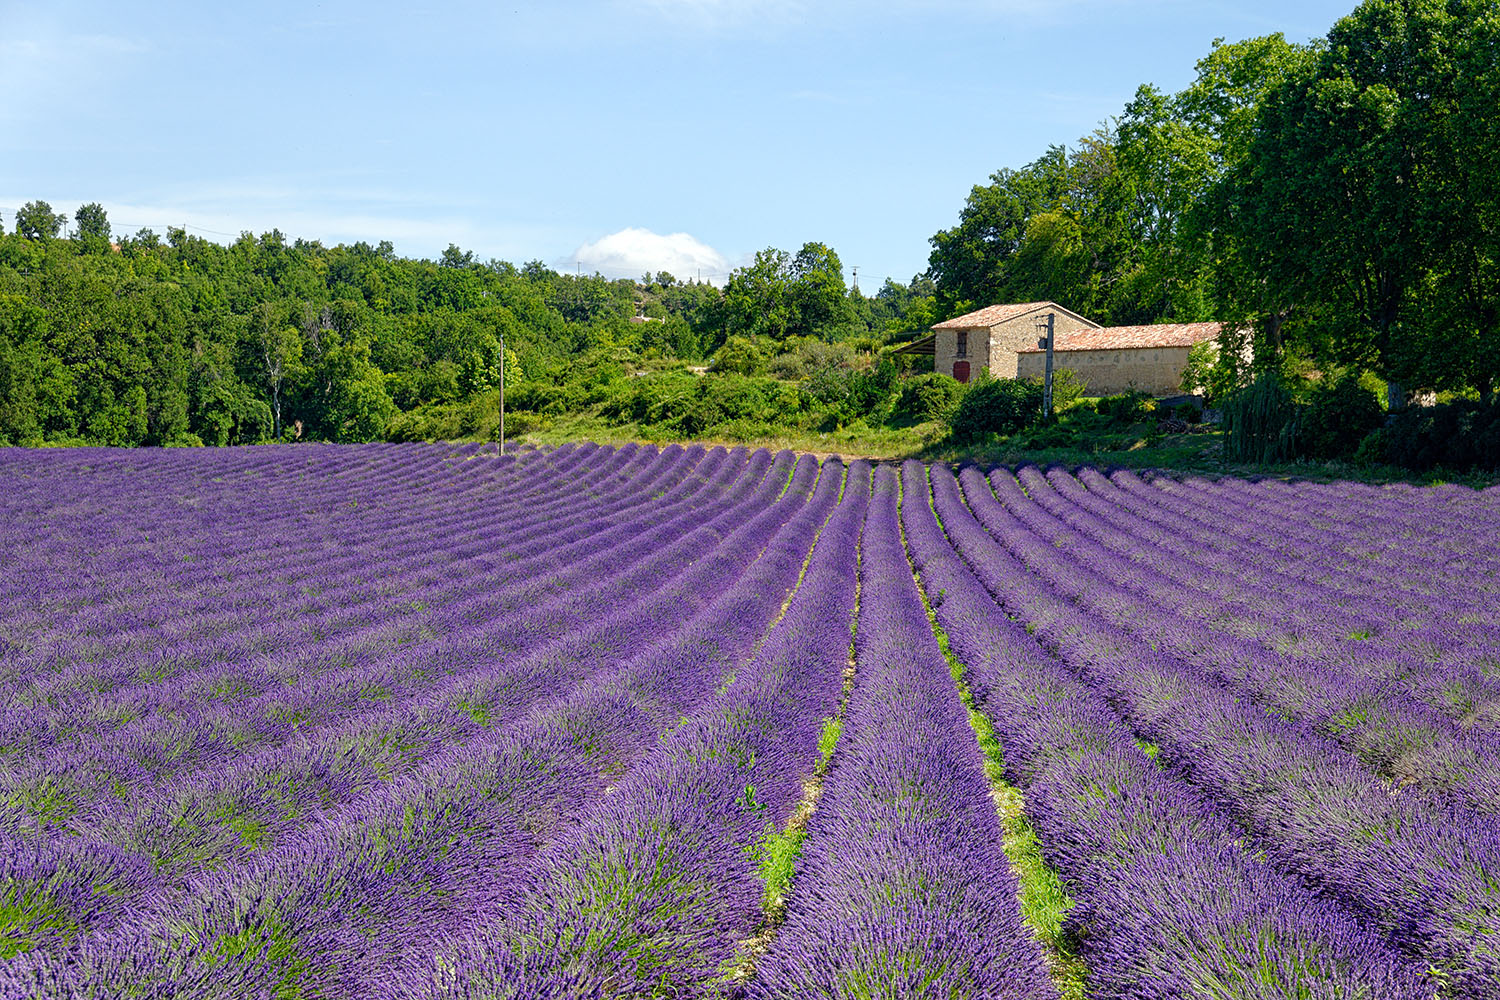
(144,340)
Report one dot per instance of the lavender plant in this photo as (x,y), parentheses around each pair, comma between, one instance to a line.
(903,889)
(415,721)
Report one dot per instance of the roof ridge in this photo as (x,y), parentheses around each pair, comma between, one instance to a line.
(1000,312)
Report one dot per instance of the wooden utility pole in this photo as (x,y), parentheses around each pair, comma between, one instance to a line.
(1046,344)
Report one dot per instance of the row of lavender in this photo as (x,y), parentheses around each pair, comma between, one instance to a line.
(1303,751)
(903,889)
(562,781)
(1171,899)
(599,839)
(1406,683)
(193,911)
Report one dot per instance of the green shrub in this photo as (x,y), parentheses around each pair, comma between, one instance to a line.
(997,406)
(1067,388)
(1260,422)
(829,385)
(724,398)
(476,417)
(1337,419)
(437,422)
(658,399)
(1126,407)
(1188,413)
(874,387)
(739,356)
(1460,436)
(1213,372)
(1372,449)
(790,366)
(539,397)
(931,396)
(801,356)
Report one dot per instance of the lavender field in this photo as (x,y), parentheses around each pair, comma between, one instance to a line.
(418,722)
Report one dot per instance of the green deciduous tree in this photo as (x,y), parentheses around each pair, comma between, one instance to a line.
(35,220)
(21,358)
(1464,295)
(347,399)
(819,301)
(1336,206)
(92,225)
(1164,164)
(757,298)
(278,348)
(740,356)
(1224,100)
(970,264)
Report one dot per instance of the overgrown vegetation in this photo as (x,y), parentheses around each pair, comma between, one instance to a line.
(137,340)
(997,406)
(1260,422)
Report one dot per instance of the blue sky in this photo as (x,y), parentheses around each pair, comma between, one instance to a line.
(612,135)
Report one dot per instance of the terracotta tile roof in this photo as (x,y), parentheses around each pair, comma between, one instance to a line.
(999,313)
(1115,338)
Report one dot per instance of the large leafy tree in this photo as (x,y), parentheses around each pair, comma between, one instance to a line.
(971,264)
(1336,203)
(1223,101)
(35,220)
(22,351)
(819,300)
(1164,164)
(757,300)
(277,346)
(92,224)
(779,295)
(1464,293)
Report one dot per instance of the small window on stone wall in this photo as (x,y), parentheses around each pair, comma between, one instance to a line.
(962,350)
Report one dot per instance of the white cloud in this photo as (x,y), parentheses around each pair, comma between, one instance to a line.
(633,252)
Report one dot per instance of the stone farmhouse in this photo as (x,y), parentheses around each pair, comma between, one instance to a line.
(1003,340)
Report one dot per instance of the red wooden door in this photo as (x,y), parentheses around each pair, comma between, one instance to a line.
(961,370)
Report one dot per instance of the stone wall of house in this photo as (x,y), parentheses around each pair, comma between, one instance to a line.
(1157,370)
(995,347)
(1009,337)
(944,345)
